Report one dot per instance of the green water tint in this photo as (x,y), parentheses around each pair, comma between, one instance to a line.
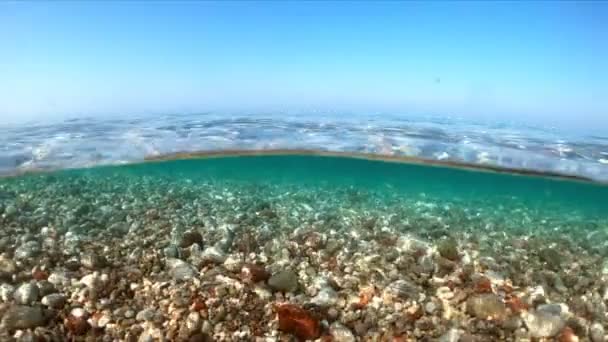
(377,176)
(332,185)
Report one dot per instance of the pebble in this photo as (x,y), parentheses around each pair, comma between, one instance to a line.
(181,270)
(214,254)
(45,287)
(129,313)
(543,323)
(145,315)
(448,248)
(325,297)
(284,281)
(596,332)
(233,264)
(340,333)
(7,267)
(6,292)
(430,307)
(91,281)
(28,250)
(193,322)
(26,294)
(403,289)
(486,306)
(23,317)
(58,279)
(54,301)
(189,238)
(172,252)
(452,335)
(93,261)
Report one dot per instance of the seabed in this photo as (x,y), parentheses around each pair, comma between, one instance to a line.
(301,245)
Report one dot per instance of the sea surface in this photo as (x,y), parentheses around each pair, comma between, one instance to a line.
(88,141)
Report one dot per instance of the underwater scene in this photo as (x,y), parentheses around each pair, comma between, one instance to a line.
(282,246)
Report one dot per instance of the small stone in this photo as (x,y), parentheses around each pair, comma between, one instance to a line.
(214,254)
(233,264)
(76,325)
(26,294)
(58,279)
(6,292)
(596,332)
(145,315)
(10,210)
(7,267)
(91,281)
(28,250)
(340,333)
(54,301)
(551,256)
(299,322)
(189,238)
(45,288)
(284,281)
(543,323)
(403,289)
(448,248)
(430,307)
(181,270)
(104,320)
(254,273)
(193,322)
(326,297)
(23,317)
(486,306)
(129,313)
(72,264)
(452,335)
(93,261)
(172,252)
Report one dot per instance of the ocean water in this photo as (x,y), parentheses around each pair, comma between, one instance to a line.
(302,247)
(93,141)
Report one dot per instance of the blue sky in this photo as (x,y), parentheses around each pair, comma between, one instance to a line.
(526,61)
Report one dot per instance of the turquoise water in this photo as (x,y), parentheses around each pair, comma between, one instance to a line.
(534,231)
(444,183)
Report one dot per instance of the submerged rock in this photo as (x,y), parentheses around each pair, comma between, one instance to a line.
(214,254)
(299,322)
(340,333)
(486,306)
(93,261)
(23,317)
(54,301)
(181,270)
(596,332)
(546,321)
(7,267)
(448,248)
(26,294)
(284,281)
(6,292)
(404,289)
(189,238)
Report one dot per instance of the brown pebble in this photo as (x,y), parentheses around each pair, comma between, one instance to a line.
(254,273)
(76,325)
(191,237)
(299,322)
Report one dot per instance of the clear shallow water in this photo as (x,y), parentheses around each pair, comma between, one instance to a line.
(86,142)
(488,249)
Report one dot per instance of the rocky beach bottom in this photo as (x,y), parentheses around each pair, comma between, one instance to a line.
(297,247)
